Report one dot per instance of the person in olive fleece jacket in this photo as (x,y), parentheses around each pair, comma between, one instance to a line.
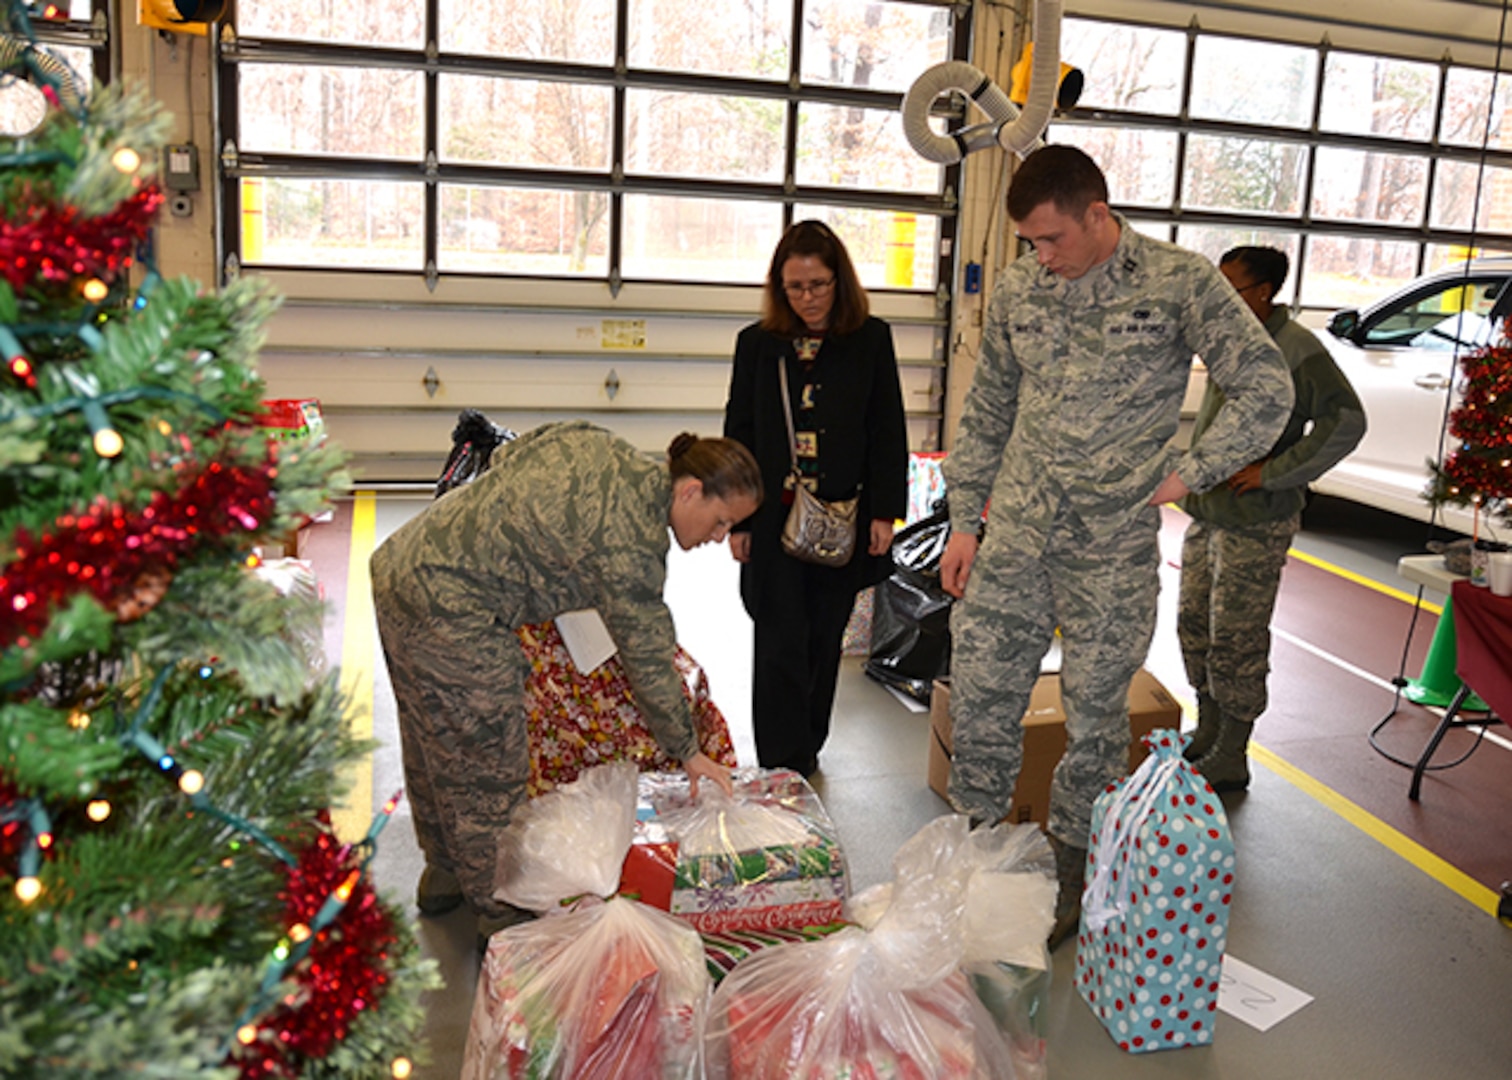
(1236,545)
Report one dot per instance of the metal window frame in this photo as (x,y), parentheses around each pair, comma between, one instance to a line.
(1311,138)
(235,163)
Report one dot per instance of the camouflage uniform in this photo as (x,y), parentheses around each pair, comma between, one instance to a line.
(1236,545)
(569,516)
(1068,429)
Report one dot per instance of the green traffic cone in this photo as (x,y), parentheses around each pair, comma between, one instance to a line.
(1438,683)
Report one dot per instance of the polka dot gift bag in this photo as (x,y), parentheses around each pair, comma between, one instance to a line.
(1160,872)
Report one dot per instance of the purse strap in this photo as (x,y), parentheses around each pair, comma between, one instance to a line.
(787,411)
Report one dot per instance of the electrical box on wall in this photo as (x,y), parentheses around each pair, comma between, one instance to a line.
(181,167)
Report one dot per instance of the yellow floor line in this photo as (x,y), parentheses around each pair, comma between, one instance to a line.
(1419,856)
(1359,579)
(359,628)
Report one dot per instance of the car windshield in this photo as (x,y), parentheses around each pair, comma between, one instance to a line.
(1449,315)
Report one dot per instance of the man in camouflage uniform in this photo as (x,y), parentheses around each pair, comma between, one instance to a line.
(1236,545)
(569,517)
(1068,429)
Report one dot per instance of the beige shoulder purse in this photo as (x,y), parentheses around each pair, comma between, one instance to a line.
(815,531)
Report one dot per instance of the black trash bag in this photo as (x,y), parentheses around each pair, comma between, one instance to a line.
(911,613)
(474,440)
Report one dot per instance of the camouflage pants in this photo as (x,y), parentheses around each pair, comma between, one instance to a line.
(1229,581)
(458,674)
(1103,596)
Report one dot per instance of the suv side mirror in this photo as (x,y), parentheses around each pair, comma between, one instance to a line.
(1343,324)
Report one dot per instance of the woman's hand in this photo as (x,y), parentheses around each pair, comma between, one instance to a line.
(701,766)
(740,546)
(881,536)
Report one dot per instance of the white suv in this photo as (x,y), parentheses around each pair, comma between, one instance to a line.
(1400,356)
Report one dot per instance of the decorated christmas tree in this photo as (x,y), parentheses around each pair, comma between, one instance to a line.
(173,900)
(1479,472)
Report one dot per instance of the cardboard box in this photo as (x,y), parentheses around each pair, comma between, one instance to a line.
(1150,706)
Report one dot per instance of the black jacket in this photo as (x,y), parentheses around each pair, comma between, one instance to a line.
(863,439)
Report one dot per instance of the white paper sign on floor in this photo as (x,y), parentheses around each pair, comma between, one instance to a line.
(1260,1000)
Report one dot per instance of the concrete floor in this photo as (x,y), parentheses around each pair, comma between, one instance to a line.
(1407,977)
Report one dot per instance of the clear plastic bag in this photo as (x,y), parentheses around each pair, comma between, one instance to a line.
(603,990)
(769,857)
(570,844)
(612,990)
(891,1000)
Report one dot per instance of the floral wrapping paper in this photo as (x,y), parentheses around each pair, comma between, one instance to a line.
(578,720)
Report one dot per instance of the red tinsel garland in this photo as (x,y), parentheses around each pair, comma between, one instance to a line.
(344,973)
(58,244)
(104,550)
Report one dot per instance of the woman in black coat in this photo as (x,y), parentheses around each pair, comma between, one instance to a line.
(852,441)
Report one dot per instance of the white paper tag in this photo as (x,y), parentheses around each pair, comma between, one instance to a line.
(1260,1000)
(586,637)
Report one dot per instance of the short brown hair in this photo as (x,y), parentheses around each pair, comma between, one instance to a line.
(724,467)
(1063,175)
(815,238)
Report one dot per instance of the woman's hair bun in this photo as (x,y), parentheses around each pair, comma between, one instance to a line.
(680,445)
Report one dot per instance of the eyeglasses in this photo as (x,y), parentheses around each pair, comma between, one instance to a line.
(810,288)
(1251,285)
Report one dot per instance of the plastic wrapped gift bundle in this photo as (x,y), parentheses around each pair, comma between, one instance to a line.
(1010,906)
(768,858)
(1160,872)
(891,1000)
(596,990)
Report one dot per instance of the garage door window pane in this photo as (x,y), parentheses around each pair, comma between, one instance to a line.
(357,224)
(1260,176)
(707,135)
(892,249)
(865,43)
(1253,82)
(1372,95)
(704,240)
(525,122)
(841,146)
(1444,256)
(396,23)
(1140,164)
(1457,185)
(1467,103)
(338,111)
(716,37)
(1214,240)
(1357,185)
(578,30)
(1354,271)
(521,231)
(1126,67)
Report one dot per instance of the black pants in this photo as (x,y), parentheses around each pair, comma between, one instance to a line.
(800,626)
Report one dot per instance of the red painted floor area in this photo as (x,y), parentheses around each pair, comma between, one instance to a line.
(1321,716)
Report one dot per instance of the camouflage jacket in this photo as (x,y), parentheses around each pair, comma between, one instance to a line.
(569,516)
(1077,394)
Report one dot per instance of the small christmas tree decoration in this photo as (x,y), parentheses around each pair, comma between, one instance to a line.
(173,901)
(1478,472)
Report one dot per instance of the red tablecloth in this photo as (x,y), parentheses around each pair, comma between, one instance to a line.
(1483,634)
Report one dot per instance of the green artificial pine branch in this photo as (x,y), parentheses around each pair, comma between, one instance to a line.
(151,927)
